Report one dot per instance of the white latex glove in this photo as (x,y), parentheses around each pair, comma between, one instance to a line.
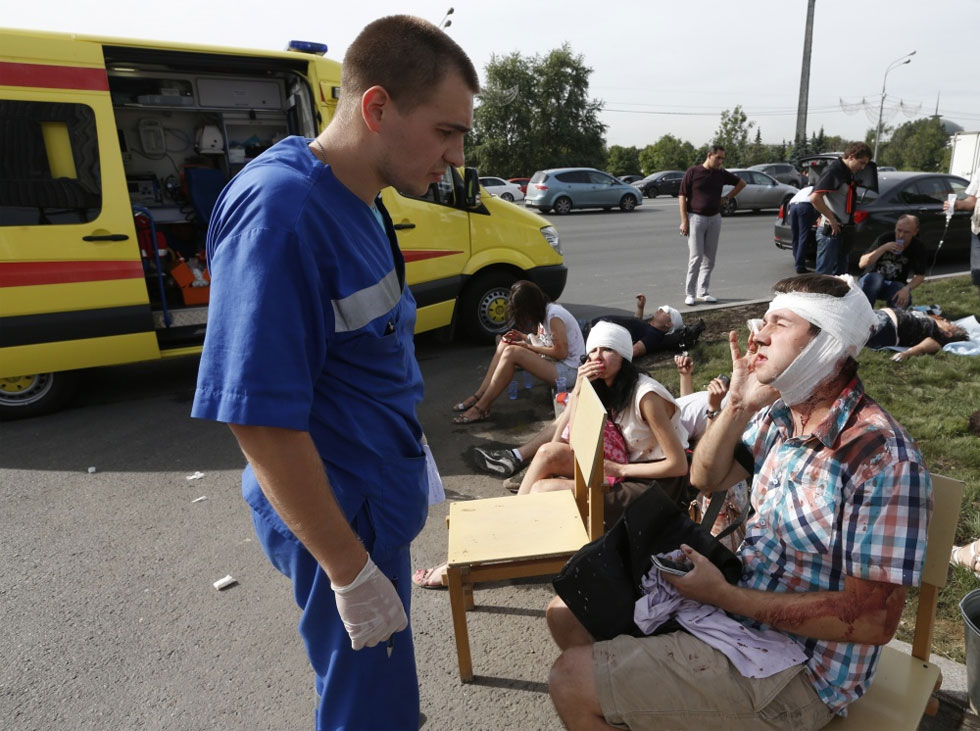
(370,607)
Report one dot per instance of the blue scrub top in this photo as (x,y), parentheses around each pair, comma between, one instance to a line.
(310,328)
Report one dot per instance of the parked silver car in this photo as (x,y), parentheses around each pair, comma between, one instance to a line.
(784,172)
(760,192)
(563,189)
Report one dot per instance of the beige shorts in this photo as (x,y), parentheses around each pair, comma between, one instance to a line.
(675,681)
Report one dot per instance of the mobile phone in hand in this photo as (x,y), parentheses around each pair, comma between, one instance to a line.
(671,567)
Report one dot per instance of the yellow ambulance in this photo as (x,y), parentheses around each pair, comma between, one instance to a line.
(112,153)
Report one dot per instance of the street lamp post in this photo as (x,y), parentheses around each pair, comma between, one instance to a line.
(881,107)
(445,22)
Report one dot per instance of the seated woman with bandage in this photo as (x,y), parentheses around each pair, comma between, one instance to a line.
(645,414)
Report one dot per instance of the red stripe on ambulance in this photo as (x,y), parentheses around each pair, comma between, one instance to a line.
(420,255)
(31,273)
(53,77)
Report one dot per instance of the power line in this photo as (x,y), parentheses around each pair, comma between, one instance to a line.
(828,110)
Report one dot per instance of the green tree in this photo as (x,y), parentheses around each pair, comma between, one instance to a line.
(800,148)
(535,113)
(667,153)
(623,160)
(916,145)
(835,143)
(733,135)
(821,141)
(869,138)
(758,152)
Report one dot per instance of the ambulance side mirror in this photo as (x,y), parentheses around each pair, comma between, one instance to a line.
(471,188)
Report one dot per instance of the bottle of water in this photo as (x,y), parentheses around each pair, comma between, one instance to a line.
(560,384)
(528,380)
(512,390)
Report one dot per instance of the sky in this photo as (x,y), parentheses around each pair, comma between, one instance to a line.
(658,66)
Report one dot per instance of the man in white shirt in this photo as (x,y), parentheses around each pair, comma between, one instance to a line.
(971,201)
(802,215)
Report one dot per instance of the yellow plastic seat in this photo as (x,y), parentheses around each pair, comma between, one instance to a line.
(526,535)
(902,689)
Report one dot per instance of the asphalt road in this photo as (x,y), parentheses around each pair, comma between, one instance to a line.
(612,256)
(110,621)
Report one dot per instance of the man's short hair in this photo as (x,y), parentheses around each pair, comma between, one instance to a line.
(814,283)
(913,219)
(407,56)
(858,149)
(715,149)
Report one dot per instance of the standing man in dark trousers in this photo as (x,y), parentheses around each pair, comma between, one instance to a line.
(833,196)
(802,216)
(700,202)
(309,359)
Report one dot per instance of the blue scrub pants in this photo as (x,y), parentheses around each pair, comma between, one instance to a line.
(801,218)
(358,691)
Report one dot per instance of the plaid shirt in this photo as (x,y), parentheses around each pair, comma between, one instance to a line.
(851,499)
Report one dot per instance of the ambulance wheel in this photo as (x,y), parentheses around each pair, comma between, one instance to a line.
(22,397)
(484,305)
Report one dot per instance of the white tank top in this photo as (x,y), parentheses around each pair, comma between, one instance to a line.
(573,333)
(641,444)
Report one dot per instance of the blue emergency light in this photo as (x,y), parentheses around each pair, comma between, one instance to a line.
(307,47)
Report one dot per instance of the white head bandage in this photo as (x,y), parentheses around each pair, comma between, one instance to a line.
(676,321)
(609,335)
(845,324)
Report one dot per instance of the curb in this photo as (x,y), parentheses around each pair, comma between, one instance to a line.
(745,303)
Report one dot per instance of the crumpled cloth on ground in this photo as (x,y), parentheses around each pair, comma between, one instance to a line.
(755,653)
(966,347)
(437,493)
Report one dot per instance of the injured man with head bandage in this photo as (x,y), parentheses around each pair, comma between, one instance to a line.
(841,501)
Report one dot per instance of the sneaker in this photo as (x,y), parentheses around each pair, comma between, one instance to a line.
(499,462)
(707,298)
(693,332)
(689,300)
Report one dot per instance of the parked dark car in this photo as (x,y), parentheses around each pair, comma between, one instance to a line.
(784,172)
(663,182)
(899,193)
(630,179)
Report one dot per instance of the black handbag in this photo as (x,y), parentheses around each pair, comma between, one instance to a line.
(602,581)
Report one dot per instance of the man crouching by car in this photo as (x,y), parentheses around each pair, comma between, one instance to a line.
(842,502)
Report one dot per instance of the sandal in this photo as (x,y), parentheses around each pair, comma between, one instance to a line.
(972,563)
(430,578)
(468,403)
(481,416)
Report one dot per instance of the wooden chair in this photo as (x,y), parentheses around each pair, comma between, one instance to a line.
(527,535)
(903,686)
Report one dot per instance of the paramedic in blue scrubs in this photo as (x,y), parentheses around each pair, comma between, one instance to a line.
(309,359)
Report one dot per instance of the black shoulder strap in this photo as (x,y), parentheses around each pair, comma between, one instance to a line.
(714,508)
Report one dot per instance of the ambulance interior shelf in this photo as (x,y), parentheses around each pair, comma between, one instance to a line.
(170,272)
